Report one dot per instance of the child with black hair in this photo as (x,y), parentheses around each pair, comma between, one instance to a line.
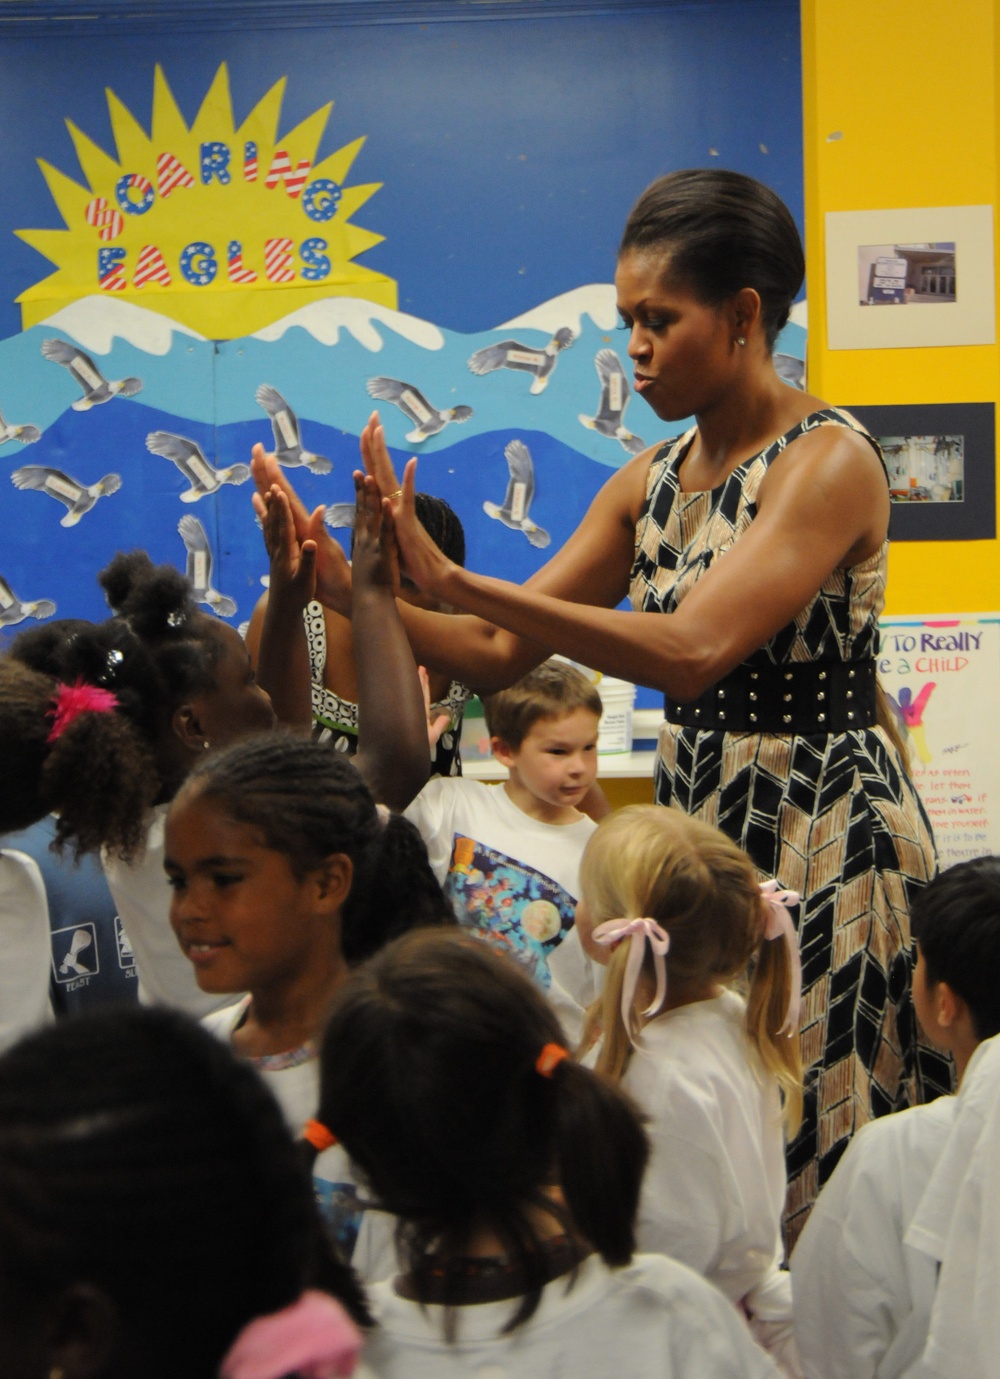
(139,699)
(863,1294)
(155,1218)
(286,874)
(305,653)
(515,1175)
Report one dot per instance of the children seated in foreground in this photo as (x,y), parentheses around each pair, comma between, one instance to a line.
(863,1294)
(515,1174)
(674,908)
(508,855)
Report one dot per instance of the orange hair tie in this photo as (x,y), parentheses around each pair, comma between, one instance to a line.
(318,1135)
(550,1058)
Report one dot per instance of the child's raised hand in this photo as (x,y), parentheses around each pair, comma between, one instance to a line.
(375,561)
(293,563)
(333,573)
(438,724)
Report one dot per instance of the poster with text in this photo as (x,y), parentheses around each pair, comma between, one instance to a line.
(941,675)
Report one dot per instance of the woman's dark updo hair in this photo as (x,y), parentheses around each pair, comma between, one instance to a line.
(139,1156)
(429,1080)
(307,801)
(723,231)
(100,775)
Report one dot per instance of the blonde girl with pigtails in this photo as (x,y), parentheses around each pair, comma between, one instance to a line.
(698,1021)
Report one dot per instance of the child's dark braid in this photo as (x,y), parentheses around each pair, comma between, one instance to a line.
(443,526)
(137,1154)
(157,604)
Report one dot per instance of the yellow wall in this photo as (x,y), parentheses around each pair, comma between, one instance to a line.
(910,87)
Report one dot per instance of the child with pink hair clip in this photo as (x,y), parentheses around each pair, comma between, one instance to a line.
(699,1023)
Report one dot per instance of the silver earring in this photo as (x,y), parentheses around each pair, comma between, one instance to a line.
(205,745)
(741,339)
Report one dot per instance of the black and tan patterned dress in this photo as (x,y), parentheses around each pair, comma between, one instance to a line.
(831,815)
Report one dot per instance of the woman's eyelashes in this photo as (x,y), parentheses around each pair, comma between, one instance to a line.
(654,323)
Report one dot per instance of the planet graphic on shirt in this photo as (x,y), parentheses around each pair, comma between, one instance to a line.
(541,920)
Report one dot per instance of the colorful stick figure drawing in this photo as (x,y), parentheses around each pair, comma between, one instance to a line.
(910,713)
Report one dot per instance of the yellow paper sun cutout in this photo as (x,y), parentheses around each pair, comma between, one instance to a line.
(221,229)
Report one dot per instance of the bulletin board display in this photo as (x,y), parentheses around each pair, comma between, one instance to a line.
(213,239)
(942,676)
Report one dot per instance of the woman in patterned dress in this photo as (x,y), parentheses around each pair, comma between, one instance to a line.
(754,551)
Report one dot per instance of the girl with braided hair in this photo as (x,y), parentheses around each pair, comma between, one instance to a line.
(155,1218)
(286,874)
(515,1174)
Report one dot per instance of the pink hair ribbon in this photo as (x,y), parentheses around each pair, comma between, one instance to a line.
(73,700)
(639,932)
(779,925)
(313,1338)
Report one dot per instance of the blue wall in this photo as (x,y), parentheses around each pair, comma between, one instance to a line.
(510,147)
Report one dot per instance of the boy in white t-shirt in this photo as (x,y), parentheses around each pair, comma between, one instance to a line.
(508,856)
(862,1292)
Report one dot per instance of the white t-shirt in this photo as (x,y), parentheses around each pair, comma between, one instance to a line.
(142,894)
(958,1223)
(511,878)
(654,1319)
(577,982)
(862,1297)
(25,945)
(715,1187)
(293,1079)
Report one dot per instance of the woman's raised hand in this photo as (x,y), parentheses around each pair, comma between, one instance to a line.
(419,558)
(375,456)
(333,573)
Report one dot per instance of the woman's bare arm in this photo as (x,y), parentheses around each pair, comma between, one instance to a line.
(822,505)
(592,568)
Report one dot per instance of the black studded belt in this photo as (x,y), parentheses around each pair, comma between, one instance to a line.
(799,697)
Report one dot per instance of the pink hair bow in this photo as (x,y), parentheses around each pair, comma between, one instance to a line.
(779,925)
(313,1338)
(72,700)
(639,932)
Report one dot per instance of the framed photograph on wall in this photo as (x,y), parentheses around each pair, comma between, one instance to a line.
(941,458)
(909,278)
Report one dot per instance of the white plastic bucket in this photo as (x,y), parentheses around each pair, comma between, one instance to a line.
(618,699)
